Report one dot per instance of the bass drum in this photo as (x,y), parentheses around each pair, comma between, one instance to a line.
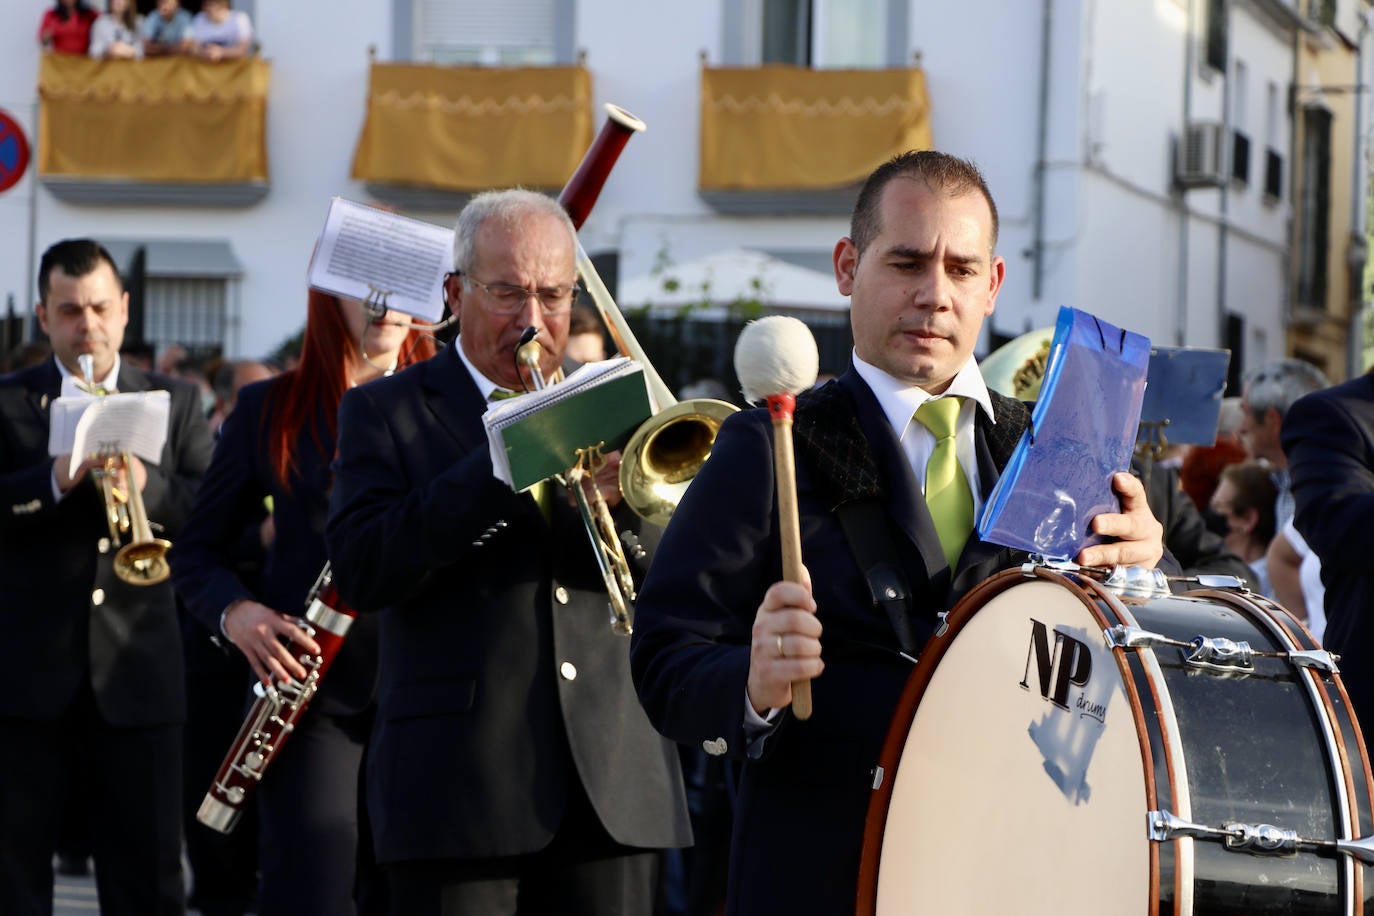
(1032,764)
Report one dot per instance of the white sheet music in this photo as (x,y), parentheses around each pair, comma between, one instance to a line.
(365,252)
(135,422)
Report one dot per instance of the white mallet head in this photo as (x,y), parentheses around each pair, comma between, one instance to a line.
(775,355)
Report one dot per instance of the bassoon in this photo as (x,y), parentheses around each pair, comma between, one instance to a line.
(278,707)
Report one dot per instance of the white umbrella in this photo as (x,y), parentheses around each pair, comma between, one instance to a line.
(730,276)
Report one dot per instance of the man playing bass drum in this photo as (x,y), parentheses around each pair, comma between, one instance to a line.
(510,765)
(278,442)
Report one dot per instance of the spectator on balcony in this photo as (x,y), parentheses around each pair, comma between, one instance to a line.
(66,28)
(116,33)
(167,30)
(220,33)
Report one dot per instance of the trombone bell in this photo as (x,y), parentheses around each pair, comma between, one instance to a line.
(666,452)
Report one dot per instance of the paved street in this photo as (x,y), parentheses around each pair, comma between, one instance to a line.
(76,897)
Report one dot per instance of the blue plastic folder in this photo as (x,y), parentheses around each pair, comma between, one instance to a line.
(1082,430)
(1185,389)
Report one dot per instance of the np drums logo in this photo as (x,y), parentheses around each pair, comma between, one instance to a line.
(1055,662)
(1060,667)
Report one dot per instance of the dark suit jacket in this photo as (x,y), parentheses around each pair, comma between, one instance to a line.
(1197,549)
(240,475)
(802,806)
(802,803)
(501,683)
(67,619)
(1328,437)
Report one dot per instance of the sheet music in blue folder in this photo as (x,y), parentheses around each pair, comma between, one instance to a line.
(1082,430)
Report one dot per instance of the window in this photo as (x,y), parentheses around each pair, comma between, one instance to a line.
(817,33)
(1322,12)
(1215,42)
(1240,157)
(180,292)
(1314,207)
(1273,174)
(191,311)
(488,32)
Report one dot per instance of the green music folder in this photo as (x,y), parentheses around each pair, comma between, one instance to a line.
(539,434)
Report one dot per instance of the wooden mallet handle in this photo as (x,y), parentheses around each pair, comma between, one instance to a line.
(780,407)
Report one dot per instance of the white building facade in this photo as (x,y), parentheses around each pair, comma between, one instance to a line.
(1072,108)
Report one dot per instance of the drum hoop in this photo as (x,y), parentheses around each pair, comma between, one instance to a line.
(903,716)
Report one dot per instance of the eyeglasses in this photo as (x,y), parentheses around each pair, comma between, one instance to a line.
(509,299)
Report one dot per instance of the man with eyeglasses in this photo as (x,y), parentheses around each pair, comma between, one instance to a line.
(511,767)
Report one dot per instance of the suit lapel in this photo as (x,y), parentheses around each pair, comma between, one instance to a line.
(993,443)
(858,457)
(905,503)
(452,397)
(45,384)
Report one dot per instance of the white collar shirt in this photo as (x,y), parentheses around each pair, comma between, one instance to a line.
(899,402)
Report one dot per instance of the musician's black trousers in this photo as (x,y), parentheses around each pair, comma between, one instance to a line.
(313,845)
(583,872)
(134,776)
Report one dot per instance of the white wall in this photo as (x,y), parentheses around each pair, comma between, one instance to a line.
(1112,223)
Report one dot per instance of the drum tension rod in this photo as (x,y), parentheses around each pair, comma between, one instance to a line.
(1218,653)
(1256,839)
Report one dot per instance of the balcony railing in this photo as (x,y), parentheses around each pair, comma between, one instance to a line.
(457,130)
(794,139)
(165,130)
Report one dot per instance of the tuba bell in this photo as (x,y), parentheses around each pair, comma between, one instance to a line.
(1017,368)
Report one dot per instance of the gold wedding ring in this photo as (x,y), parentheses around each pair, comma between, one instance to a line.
(781,654)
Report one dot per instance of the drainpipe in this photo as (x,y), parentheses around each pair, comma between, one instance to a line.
(1359,253)
(1181,297)
(1041,153)
(1223,202)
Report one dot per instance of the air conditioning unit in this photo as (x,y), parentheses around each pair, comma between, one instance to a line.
(1198,156)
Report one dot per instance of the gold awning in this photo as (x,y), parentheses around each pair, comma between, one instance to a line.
(473,128)
(168,119)
(791,128)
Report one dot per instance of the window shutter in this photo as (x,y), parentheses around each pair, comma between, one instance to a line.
(483,31)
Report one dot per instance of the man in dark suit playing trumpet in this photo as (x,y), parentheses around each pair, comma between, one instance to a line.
(511,768)
(90,667)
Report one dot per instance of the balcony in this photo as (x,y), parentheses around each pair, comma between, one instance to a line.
(434,135)
(795,141)
(171,130)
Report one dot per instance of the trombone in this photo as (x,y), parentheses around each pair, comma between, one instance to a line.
(668,449)
(596,515)
(142,561)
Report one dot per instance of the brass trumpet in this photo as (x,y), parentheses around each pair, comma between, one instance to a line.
(142,561)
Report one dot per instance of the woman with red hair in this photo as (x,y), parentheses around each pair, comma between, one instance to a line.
(276,447)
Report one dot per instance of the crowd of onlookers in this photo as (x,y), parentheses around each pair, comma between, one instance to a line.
(1241,486)
(217,32)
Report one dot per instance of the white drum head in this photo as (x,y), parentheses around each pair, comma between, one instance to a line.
(1020,799)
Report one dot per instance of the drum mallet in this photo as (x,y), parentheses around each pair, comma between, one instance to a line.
(776,359)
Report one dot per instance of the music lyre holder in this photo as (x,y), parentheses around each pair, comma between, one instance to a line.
(1150,439)
(375,303)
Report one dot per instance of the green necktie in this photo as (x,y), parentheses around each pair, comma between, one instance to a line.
(542,491)
(947,490)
